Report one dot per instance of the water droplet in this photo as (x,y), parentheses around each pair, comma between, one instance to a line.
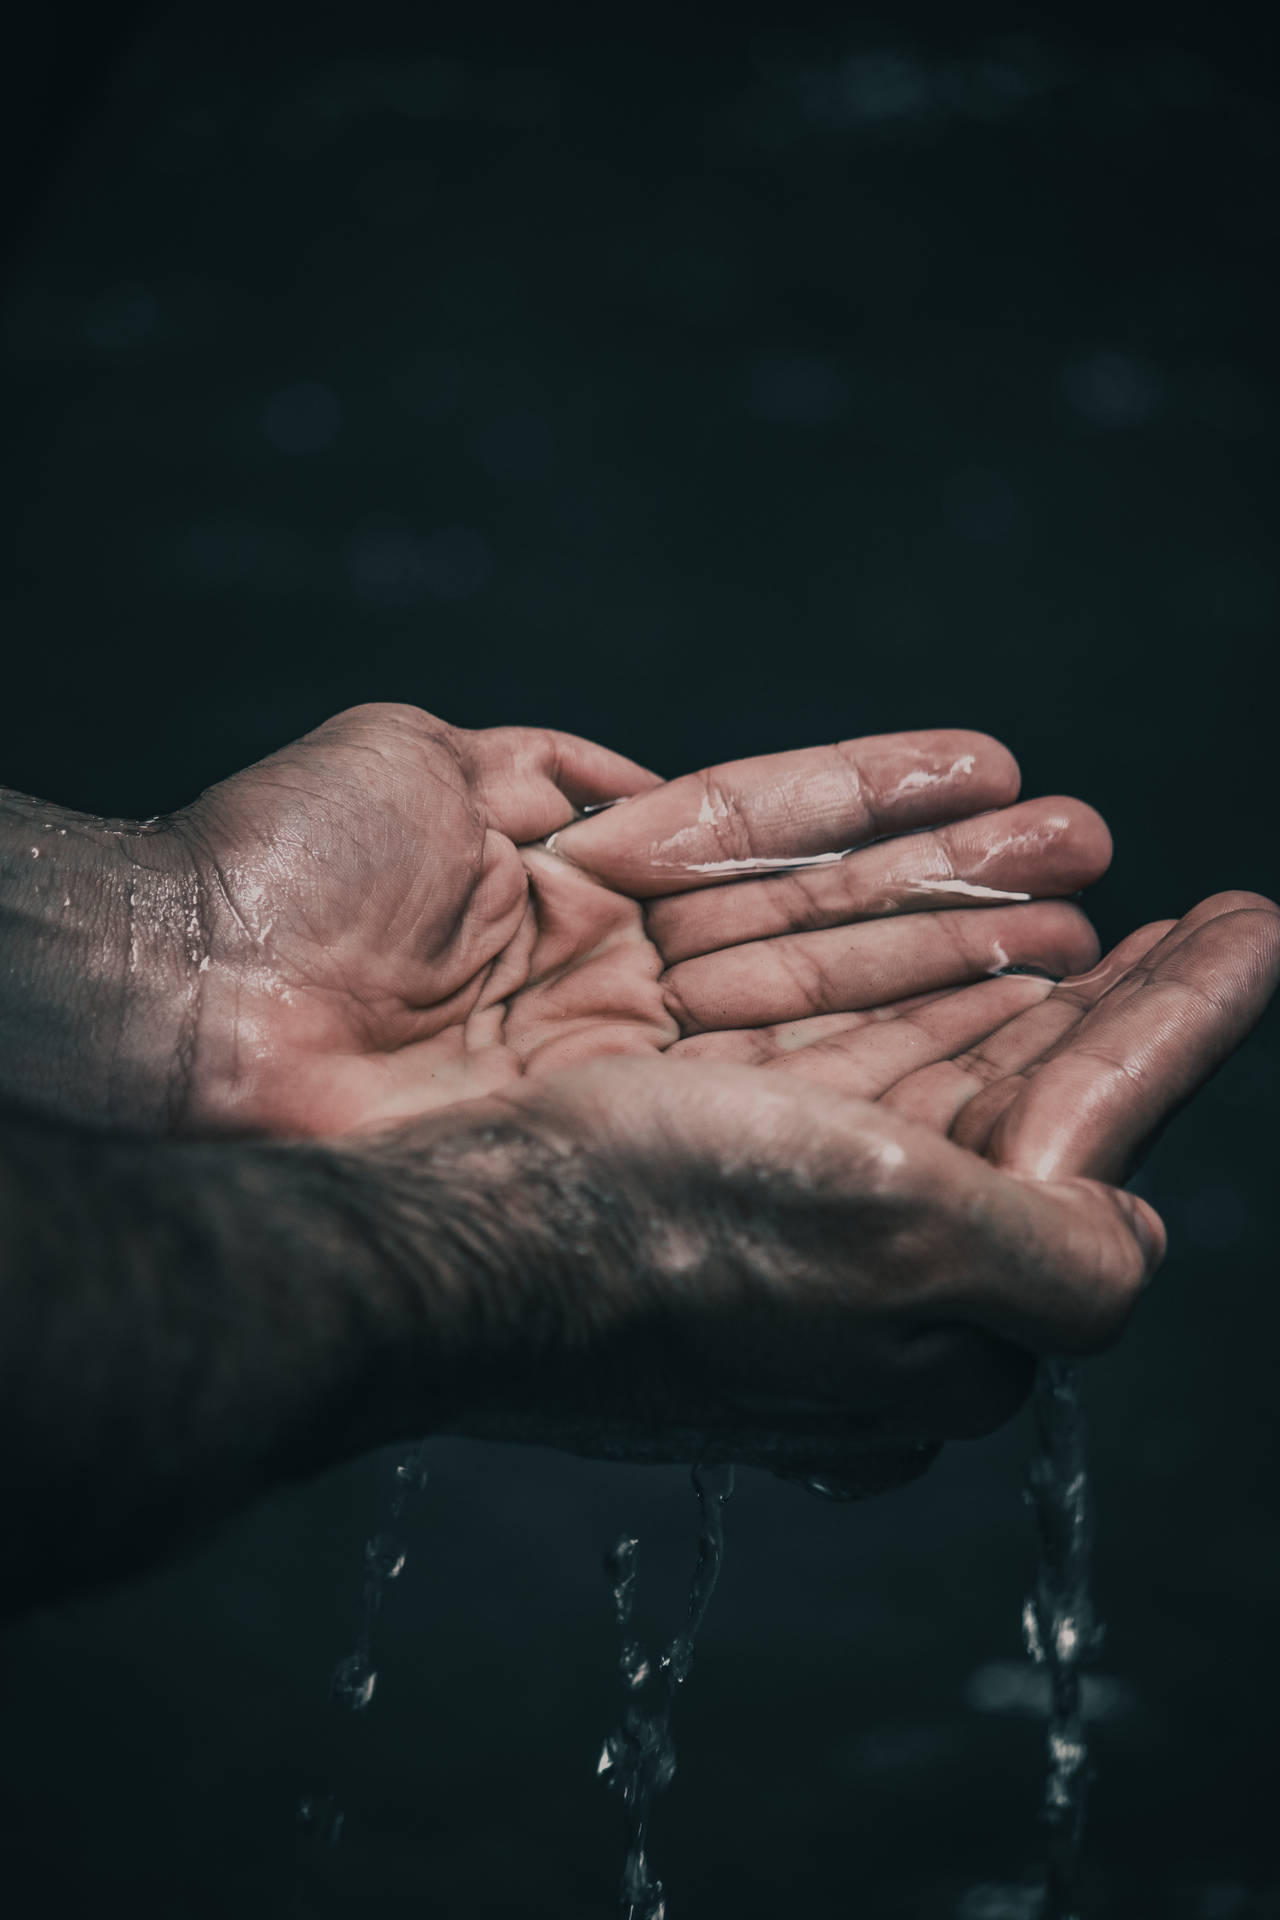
(638,1759)
(620,1565)
(633,1665)
(1058,1621)
(412,1473)
(384,1556)
(639,1888)
(320,1816)
(353,1682)
(829,1489)
(678,1659)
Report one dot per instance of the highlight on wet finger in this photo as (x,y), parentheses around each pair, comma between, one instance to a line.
(789,811)
(1040,849)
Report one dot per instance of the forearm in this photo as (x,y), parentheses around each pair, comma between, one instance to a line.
(184,1326)
(101,941)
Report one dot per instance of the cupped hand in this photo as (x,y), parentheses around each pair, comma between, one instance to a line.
(732,1264)
(397,914)
(834,1260)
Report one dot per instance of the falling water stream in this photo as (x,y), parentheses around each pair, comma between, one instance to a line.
(1060,1631)
(354,1678)
(638,1759)
(1059,1626)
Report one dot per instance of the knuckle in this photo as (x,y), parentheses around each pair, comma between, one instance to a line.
(816,987)
(390,714)
(677,1006)
(723,816)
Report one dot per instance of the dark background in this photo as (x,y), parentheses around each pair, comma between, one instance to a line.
(709,380)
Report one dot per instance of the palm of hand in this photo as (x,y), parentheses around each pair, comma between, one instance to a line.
(389,934)
(385,939)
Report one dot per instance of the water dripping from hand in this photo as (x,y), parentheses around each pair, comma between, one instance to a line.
(638,1759)
(1059,1625)
(354,1679)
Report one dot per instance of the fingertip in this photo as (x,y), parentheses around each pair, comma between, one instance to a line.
(1148,1230)
(1066,940)
(995,763)
(1089,836)
(1004,767)
(1102,1245)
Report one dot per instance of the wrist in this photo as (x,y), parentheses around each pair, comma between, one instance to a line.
(102,935)
(469,1219)
(185,1326)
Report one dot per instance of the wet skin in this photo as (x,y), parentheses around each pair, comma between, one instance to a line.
(770,1159)
(401,915)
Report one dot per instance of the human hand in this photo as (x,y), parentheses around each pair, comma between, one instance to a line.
(1082,1083)
(636,1258)
(393,914)
(730,1264)
(1049,1080)
(403,914)
(824,1283)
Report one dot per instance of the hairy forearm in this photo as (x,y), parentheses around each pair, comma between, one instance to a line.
(101,943)
(184,1326)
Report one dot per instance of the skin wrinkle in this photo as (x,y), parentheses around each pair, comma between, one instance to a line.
(731,826)
(814,982)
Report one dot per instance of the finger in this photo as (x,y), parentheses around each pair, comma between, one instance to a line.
(872,1060)
(1040,849)
(1054,1266)
(1068,1261)
(1147,1046)
(753,816)
(1001,1071)
(939,1094)
(531,780)
(848,968)
(817,1255)
(866,1053)
(761,1046)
